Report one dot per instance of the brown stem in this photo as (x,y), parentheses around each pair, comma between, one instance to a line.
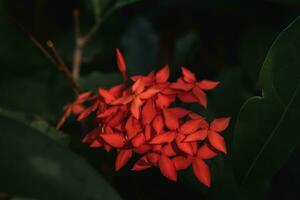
(64,69)
(79,44)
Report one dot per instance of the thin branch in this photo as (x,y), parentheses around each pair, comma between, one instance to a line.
(38,45)
(79,44)
(82,40)
(64,69)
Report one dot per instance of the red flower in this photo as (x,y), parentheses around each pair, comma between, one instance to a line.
(142,119)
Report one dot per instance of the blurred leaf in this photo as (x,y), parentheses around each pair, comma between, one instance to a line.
(39,124)
(102,9)
(253,49)
(38,167)
(24,94)
(97,9)
(185,49)
(267,127)
(95,80)
(232,92)
(140,44)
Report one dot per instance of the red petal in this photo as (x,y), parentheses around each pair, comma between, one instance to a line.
(188,76)
(201,96)
(120,61)
(123,100)
(116,119)
(207,85)
(180,84)
(107,147)
(194,147)
(143,149)
(149,79)
(164,101)
(190,126)
(77,109)
(108,98)
(123,157)
(157,148)
(108,130)
(138,140)
(135,107)
(66,114)
(198,135)
(195,116)
(187,97)
(135,78)
(83,96)
(158,124)
(164,138)
(163,74)
(179,112)
(108,112)
(204,152)
(88,111)
(132,127)
(184,146)
(91,136)
(96,144)
(84,114)
(138,86)
(201,171)
(170,91)
(220,124)
(115,140)
(148,112)
(148,132)
(181,162)
(169,150)
(141,164)
(149,93)
(170,120)
(153,158)
(117,90)
(204,123)
(217,141)
(167,168)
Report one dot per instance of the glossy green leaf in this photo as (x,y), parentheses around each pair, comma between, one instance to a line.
(34,165)
(37,123)
(267,127)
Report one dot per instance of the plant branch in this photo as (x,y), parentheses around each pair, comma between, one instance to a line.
(80,42)
(64,69)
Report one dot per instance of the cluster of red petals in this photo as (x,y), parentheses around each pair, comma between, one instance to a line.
(142,119)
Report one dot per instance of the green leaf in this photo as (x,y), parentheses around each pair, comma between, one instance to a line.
(104,8)
(267,127)
(36,166)
(37,123)
(97,9)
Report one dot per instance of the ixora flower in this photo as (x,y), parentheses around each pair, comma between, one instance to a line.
(142,118)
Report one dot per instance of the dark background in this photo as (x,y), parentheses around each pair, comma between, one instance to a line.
(219,40)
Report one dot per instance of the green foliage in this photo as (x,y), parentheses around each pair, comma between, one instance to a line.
(38,124)
(104,8)
(266,130)
(38,167)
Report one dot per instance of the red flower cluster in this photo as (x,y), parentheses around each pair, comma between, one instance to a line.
(141,119)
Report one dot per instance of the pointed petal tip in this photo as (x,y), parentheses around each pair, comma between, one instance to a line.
(120,61)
